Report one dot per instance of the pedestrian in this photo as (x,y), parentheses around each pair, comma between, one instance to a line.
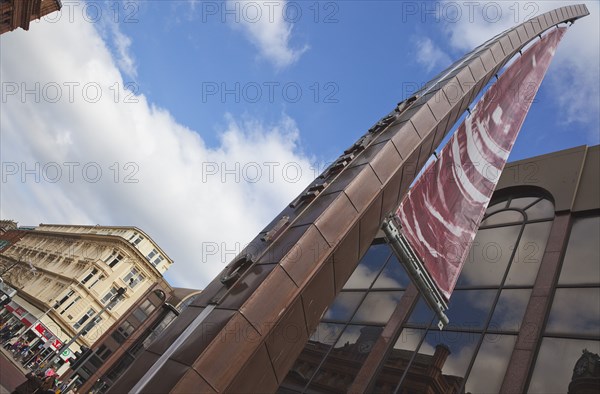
(48,385)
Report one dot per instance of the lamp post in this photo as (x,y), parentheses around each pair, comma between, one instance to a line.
(120,292)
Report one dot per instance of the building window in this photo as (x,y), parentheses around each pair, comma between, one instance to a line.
(65,298)
(133,278)
(103,352)
(89,276)
(136,239)
(98,279)
(70,304)
(568,355)
(84,318)
(123,332)
(157,261)
(108,296)
(113,259)
(91,325)
(112,292)
(144,310)
(485,311)
(351,324)
(151,255)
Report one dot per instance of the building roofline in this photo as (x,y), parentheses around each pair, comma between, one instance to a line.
(161,250)
(101,237)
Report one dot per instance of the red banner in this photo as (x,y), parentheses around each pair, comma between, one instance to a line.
(442,212)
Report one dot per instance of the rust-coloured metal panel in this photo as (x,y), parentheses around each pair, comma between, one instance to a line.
(440,105)
(390,195)
(385,162)
(191,382)
(319,294)
(369,224)
(337,219)
(242,289)
(300,263)
(160,345)
(202,336)
(222,360)
(345,258)
(224,363)
(287,339)
(360,192)
(488,60)
(269,301)
(257,376)
(406,140)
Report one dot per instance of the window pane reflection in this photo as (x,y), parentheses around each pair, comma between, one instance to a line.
(503,217)
(398,360)
(522,203)
(344,305)
(510,309)
(527,260)
(378,307)
(393,276)
(541,210)
(580,265)
(496,207)
(326,333)
(488,257)
(452,350)
(354,345)
(490,365)
(555,364)
(369,267)
(421,314)
(575,311)
(469,309)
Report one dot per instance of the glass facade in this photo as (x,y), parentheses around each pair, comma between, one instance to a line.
(351,324)
(486,313)
(573,325)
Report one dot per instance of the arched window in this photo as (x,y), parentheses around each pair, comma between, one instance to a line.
(487,307)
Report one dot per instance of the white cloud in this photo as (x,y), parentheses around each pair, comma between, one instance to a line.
(430,55)
(573,77)
(125,59)
(181,193)
(266,27)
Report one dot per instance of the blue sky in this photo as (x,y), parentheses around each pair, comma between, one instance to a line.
(304,79)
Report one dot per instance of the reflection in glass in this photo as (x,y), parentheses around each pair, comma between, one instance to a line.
(344,305)
(575,311)
(326,333)
(451,350)
(523,202)
(354,345)
(369,267)
(580,265)
(490,365)
(488,258)
(507,216)
(398,360)
(469,309)
(541,210)
(528,257)
(496,207)
(421,314)
(555,364)
(510,309)
(393,276)
(377,307)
